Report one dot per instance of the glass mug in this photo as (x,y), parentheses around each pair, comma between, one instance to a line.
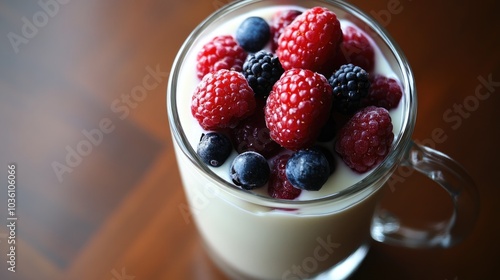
(252,236)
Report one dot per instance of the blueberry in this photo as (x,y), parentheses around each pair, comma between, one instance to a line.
(214,148)
(250,170)
(308,169)
(253,34)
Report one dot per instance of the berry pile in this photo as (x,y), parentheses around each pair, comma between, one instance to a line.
(288,97)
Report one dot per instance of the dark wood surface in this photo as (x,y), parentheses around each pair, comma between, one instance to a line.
(68,71)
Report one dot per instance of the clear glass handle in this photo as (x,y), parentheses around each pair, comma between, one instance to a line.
(386,226)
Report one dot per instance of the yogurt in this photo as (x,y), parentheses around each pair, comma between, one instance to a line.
(254,240)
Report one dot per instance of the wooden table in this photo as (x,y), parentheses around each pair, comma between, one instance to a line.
(97,187)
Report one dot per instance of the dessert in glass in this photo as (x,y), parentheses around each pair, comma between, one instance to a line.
(284,175)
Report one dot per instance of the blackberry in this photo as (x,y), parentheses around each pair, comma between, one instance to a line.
(262,70)
(350,86)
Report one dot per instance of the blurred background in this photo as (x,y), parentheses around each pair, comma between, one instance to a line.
(98,195)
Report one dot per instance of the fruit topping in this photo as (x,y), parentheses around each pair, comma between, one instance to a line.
(222,99)
(297,108)
(366,138)
(278,22)
(279,186)
(350,85)
(384,92)
(308,169)
(253,34)
(214,148)
(222,52)
(250,170)
(262,70)
(294,97)
(310,41)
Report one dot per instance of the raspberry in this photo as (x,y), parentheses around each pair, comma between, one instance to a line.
(384,92)
(310,41)
(355,49)
(262,70)
(278,22)
(279,186)
(222,52)
(297,108)
(350,85)
(251,134)
(366,139)
(222,99)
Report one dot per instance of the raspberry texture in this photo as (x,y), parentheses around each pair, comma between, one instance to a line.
(355,49)
(252,134)
(366,139)
(278,22)
(222,99)
(222,52)
(350,85)
(262,70)
(279,186)
(384,92)
(310,41)
(297,108)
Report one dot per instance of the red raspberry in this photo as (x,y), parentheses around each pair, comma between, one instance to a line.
(366,138)
(251,134)
(355,49)
(298,107)
(310,41)
(384,92)
(222,52)
(279,186)
(278,22)
(222,99)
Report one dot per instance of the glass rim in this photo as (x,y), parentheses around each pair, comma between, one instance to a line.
(403,139)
